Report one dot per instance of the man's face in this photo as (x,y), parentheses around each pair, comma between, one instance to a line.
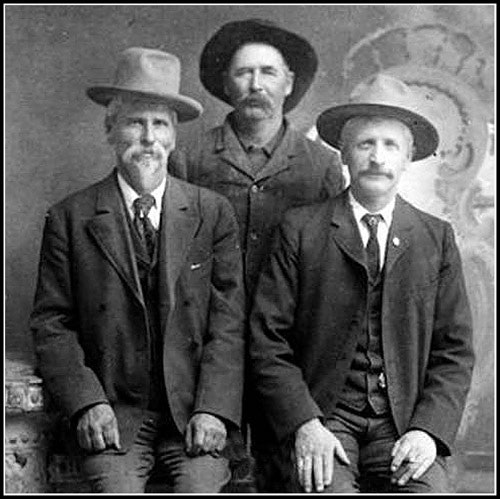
(376,151)
(143,135)
(258,81)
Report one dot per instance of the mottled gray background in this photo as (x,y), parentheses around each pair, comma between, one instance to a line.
(54,135)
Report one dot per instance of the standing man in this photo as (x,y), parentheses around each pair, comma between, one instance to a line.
(256,159)
(139,309)
(361,335)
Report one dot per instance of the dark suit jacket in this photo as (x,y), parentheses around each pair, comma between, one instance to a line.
(89,320)
(299,172)
(310,304)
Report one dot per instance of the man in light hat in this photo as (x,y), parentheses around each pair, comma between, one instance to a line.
(139,308)
(256,158)
(361,335)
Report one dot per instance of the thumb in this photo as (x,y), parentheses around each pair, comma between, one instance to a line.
(116,438)
(339,450)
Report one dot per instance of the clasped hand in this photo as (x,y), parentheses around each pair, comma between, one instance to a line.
(315,449)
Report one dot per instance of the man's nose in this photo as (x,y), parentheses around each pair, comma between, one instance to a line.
(377,155)
(148,135)
(256,82)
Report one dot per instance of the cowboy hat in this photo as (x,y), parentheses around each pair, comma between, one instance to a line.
(385,96)
(217,53)
(150,73)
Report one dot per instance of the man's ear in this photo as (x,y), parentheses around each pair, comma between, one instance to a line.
(290,82)
(224,84)
(110,138)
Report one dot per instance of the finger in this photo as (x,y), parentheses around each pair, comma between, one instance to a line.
(341,453)
(188,439)
(318,473)
(84,439)
(396,475)
(328,468)
(116,438)
(422,468)
(198,438)
(404,473)
(98,441)
(299,463)
(401,455)
(209,441)
(111,436)
(220,442)
(307,473)
(395,448)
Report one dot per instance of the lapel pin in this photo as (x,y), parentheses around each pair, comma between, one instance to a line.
(396,241)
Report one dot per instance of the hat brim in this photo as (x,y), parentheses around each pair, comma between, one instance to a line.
(187,109)
(425,136)
(217,54)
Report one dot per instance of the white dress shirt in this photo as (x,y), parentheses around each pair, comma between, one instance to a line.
(383,226)
(130,196)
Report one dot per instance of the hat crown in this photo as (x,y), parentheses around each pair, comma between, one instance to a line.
(383,89)
(148,70)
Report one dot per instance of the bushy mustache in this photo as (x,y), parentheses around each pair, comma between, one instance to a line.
(375,170)
(156,152)
(255,100)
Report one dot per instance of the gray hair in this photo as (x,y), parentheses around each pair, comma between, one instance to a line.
(353,123)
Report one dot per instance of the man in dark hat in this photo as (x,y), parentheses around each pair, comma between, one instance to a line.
(361,335)
(139,309)
(256,159)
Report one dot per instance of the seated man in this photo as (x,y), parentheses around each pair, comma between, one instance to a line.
(361,334)
(139,309)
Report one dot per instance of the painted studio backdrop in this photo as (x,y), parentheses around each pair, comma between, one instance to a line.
(55,142)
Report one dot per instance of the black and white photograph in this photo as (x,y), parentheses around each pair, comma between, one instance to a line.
(249,249)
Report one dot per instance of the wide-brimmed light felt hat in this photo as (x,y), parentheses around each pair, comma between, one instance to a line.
(385,96)
(151,73)
(217,53)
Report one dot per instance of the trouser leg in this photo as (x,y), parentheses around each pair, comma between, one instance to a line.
(201,474)
(109,472)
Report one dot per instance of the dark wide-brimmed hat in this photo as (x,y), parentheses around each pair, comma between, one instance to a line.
(297,52)
(388,97)
(150,73)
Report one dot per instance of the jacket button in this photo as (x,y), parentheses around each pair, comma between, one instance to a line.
(255,188)
(254,236)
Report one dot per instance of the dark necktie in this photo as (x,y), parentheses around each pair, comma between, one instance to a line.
(143,224)
(372,248)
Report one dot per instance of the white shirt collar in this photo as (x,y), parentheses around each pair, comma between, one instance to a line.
(130,195)
(359,210)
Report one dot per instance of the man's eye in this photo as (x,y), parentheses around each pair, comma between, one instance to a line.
(242,72)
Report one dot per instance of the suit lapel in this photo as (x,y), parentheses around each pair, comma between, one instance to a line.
(179,223)
(109,228)
(345,231)
(400,233)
